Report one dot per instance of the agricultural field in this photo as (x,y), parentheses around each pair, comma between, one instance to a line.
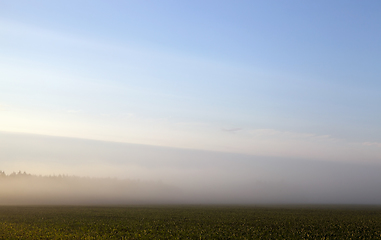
(190,222)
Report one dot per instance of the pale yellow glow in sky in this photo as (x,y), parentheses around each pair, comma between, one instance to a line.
(165,132)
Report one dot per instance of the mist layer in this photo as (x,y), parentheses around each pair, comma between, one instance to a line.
(116,173)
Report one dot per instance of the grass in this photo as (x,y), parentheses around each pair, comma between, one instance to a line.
(189,222)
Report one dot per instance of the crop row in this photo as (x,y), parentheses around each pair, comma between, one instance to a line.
(189,222)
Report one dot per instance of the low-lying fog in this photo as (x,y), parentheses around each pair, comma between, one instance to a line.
(98,172)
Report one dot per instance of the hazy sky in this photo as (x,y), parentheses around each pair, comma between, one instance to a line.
(294,80)
(191,176)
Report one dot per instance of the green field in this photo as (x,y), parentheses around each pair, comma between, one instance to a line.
(190,222)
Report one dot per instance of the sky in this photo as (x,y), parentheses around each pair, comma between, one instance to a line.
(297,82)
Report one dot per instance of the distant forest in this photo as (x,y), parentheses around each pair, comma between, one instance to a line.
(22,188)
(24,174)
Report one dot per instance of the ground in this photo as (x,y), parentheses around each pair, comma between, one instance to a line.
(190,222)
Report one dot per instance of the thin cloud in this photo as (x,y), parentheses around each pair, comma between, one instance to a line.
(73,111)
(291,135)
(372,144)
(231,129)
(272,142)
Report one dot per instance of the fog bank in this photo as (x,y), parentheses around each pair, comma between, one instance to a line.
(116,173)
(26,189)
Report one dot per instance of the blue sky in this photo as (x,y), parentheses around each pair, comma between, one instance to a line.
(297,79)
